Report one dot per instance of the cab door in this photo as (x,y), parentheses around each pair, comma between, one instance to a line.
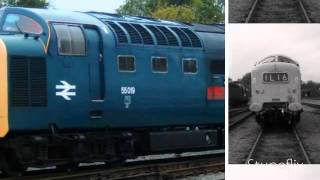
(96,72)
(77,76)
(96,64)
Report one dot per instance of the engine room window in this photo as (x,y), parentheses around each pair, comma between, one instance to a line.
(126,64)
(70,39)
(159,64)
(21,24)
(190,66)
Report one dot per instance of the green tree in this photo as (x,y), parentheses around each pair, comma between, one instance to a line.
(209,11)
(175,13)
(25,3)
(140,7)
(195,11)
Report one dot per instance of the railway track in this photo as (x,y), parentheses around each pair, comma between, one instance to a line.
(236,111)
(172,168)
(278,11)
(237,117)
(313,105)
(278,145)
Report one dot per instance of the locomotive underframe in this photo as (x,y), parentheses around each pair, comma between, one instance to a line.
(273,113)
(20,151)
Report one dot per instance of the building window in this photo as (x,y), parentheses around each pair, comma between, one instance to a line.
(159,64)
(190,66)
(70,39)
(126,64)
(21,24)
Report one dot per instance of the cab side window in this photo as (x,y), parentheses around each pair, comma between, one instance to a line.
(70,39)
(21,24)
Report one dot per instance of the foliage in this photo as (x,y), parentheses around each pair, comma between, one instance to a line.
(25,3)
(195,11)
(176,13)
(209,11)
(134,7)
(310,89)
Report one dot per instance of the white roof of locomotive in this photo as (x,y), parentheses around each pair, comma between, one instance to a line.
(276,59)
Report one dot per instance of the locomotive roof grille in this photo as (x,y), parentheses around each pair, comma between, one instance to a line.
(121,35)
(172,40)
(147,38)
(133,33)
(183,37)
(166,36)
(194,39)
(161,39)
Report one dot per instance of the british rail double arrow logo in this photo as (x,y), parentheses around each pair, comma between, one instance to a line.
(66,88)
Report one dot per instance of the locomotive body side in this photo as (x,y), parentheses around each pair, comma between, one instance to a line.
(158,98)
(99,99)
(276,91)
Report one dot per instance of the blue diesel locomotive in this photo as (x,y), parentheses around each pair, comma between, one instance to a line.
(90,86)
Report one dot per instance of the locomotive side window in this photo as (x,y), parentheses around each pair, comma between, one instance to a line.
(126,64)
(19,23)
(190,66)
(70,39)
(159,64)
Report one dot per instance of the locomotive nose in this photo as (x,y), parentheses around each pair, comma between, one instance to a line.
(4,124)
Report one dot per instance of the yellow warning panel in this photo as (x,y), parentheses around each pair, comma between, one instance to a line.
(4,123)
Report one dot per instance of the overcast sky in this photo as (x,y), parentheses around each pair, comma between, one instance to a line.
(250,43)
(109,6)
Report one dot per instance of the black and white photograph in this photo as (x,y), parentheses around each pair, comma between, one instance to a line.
(274,11)
(274,94)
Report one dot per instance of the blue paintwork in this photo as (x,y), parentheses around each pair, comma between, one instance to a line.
(166,99)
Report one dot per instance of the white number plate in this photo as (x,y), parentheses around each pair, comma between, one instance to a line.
(128,90)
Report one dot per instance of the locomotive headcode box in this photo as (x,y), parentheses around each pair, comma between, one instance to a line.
(275,77)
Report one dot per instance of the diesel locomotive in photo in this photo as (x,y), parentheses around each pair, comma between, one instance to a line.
(276,90)
(89,86)
(238,94)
